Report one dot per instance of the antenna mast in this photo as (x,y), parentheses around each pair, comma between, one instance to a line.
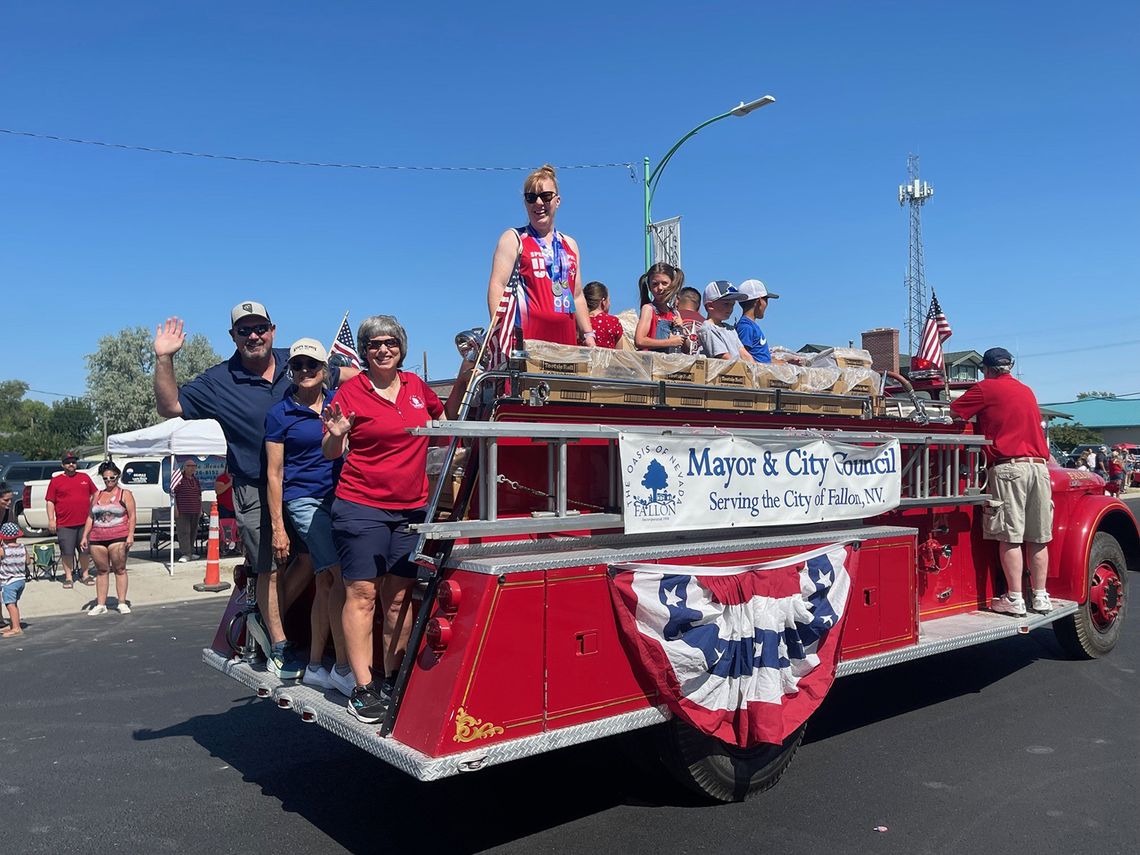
(915,193)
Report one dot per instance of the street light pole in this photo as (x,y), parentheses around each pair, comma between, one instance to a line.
(651,179)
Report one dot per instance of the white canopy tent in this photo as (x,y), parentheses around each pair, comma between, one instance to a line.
(171,437)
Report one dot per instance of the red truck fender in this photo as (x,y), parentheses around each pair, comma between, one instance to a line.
(1088,515)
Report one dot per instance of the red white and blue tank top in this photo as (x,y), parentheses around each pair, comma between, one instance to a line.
(546,301)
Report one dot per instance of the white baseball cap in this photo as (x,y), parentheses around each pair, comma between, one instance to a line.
(309,347)
(722,289)
(245,309)
(754,289)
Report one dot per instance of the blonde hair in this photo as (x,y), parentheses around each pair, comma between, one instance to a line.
(675,274)
(546,171)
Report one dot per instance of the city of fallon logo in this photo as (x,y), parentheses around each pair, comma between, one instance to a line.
(654,483)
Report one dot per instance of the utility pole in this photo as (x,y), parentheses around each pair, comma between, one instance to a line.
(915,193)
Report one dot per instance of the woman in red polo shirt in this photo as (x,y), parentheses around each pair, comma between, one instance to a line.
(382,490)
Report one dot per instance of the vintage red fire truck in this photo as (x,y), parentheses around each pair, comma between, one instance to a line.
(517,646)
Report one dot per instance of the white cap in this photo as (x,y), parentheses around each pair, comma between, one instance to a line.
(309,347)
(722,289)
(754,289)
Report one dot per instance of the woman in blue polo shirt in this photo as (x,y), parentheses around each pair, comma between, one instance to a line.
(300,484)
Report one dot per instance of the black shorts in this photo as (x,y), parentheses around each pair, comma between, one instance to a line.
(373,542)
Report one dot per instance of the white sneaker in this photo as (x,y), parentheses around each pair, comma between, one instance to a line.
(123,608)
(98,609)
(343,683)
(319,679)
(183,559)
(1007,606)
(1041,602)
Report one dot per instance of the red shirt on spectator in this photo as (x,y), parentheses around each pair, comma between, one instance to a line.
(72,497)
(1008,415)
(188,494)
(225,497)
(386,467)
(607,330)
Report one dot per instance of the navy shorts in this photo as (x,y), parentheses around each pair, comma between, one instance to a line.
(372,542)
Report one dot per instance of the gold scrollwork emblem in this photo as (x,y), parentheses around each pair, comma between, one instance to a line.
(468,728)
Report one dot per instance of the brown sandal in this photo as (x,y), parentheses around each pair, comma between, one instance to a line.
(69,584)
(87,580)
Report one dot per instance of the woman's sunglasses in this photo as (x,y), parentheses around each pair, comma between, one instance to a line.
(545,196)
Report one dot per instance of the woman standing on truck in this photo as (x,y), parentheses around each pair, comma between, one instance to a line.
(551,306)
(382,490)
(109,534)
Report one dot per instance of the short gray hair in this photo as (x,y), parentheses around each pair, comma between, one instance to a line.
(381,325)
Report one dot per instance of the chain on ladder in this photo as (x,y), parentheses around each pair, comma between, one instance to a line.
(523,488)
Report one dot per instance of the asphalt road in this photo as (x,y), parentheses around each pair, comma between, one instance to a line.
(114,737)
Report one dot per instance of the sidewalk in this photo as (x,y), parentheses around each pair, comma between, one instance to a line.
(149,583)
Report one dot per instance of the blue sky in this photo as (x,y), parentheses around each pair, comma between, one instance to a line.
(1025,117)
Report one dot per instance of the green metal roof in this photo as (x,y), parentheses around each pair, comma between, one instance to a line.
(1101,412)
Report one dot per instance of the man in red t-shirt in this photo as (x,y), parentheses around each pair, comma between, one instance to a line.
(1018,478)
(68,504)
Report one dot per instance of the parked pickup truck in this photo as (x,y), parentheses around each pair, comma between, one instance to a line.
(141,475)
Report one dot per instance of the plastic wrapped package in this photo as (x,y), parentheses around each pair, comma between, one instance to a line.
(620,364)
(546,357)
(774,375)
(628,321)
(728,372)
(859,381)
(813,379)
(792,357)
(678,367)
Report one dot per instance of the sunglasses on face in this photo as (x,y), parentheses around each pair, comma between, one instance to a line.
(259,329)
(545,196)
(389,343)
(110,477)
(306,365)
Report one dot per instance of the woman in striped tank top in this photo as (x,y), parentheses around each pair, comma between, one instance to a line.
(109,534)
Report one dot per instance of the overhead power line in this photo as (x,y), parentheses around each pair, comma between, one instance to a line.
(310,163)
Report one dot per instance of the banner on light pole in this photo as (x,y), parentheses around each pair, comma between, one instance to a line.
(667,241)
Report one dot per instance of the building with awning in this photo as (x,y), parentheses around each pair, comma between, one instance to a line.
(1115,419)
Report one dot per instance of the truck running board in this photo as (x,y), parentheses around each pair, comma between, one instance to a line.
(941,635)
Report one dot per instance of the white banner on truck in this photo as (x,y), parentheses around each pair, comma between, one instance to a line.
(680,483)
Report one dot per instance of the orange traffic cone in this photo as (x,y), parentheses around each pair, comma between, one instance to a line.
(213,581)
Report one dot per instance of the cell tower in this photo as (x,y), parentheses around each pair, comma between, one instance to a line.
(915,193)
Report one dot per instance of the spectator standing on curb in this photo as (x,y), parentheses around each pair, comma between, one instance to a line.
(224,494)
(188,504)
(7,512)
(238,393)
(68,503)
(1022,516)
(109,535)
(13,563)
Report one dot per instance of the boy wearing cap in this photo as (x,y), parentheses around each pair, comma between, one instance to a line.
(718,339)
(756,297)
(13,563)
(68,504)
(1022,515)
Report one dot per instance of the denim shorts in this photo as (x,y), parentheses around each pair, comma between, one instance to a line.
(12,591)
(373,542)
(312,520)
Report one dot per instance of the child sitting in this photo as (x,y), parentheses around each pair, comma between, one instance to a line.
(719,339)
(13,566)
(659,325)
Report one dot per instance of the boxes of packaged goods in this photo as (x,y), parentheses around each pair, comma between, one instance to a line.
(678,368)
(728,372)
(545,357)
(821,404)
(818,379)
(852,357)
(859,381)
(691,397)
(622,395)
(620,364)
(774,375)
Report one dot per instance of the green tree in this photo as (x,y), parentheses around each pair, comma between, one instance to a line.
(1069,436)
(120,376)
(1082,395)
(38,431)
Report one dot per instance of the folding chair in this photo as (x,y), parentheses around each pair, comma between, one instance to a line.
(44,562)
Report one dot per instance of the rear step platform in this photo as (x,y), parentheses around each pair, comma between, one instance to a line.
(939,635)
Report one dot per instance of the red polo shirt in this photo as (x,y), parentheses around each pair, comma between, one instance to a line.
(386,467)
(1008,416)
(72,497)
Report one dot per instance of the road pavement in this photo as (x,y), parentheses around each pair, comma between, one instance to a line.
(115,737)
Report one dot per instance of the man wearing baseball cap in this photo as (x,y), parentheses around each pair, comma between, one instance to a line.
(756,297)
(68,504)
(238,393)
(1007,414)
(717,337)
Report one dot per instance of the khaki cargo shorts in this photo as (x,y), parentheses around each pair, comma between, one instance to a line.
(1022,509)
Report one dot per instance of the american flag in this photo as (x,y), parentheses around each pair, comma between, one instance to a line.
(745,654)
(936,331)
(501,341)
(175,478)
(344,344)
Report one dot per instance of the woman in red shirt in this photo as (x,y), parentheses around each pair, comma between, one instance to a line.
(382,490)
(608,331)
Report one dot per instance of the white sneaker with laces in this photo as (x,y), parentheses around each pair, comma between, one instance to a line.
(343,683)
(1041,602)
(124,608)
(183,559)
(98,609)
(1008,606)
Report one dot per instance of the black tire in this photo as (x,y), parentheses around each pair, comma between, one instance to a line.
(719,771)
(1095,627)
